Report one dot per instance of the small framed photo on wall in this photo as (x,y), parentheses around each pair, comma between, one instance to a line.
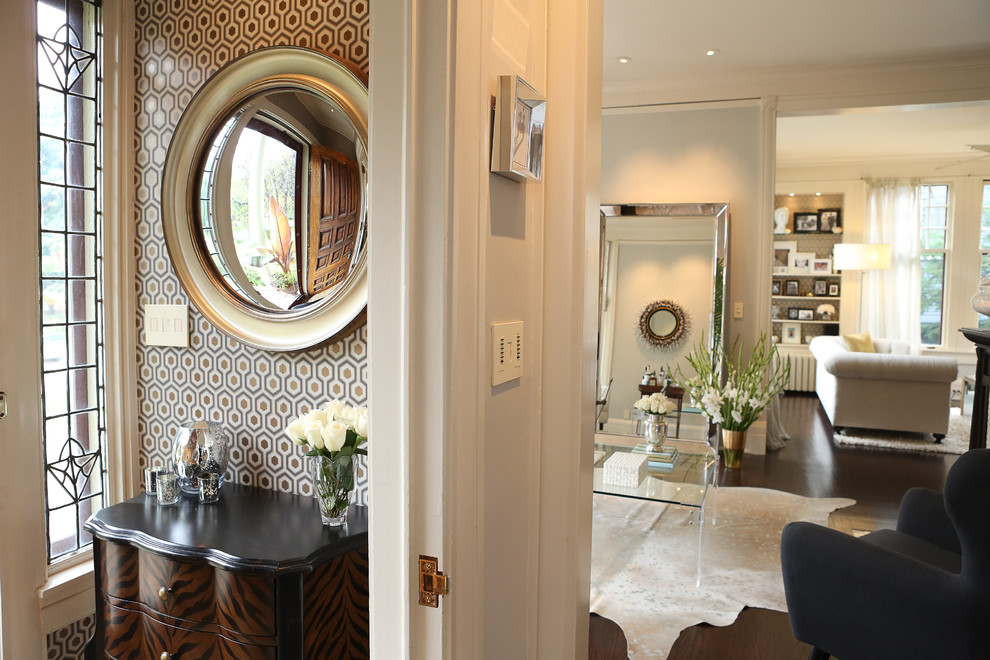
(806,315)
(833,290)
(821,288)
(791,288)
(830,220)
(792,313)
(782,251)
(800,263)
(805,223)
(790,333)
(775,288)
(821,266)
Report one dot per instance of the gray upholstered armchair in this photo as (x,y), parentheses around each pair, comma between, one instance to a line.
(922,591)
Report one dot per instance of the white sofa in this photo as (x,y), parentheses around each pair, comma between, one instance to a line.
(890,389)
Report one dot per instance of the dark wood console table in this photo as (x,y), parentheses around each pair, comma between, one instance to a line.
(255,576)
(981,393)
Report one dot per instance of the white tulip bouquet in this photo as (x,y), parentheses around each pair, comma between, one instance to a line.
(333,430)
(655,404)
(334,433)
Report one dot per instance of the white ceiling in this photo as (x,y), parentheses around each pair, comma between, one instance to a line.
(668,39)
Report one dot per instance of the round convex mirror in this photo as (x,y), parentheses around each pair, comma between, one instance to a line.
(264,198)
(663,323)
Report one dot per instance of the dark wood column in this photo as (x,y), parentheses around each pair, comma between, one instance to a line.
(981,395)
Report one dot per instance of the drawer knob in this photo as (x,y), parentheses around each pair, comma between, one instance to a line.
(163,593)
(165,656)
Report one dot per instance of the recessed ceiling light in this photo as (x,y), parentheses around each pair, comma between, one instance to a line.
(790,194)
(625,60)
(818,194)
(711,51)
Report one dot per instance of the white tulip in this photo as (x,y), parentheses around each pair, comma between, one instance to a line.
(361,422)
(333,408)
(334,435)
(296,432)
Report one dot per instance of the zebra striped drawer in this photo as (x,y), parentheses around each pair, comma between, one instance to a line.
(137,636)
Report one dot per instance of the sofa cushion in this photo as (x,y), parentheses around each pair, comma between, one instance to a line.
(859,343)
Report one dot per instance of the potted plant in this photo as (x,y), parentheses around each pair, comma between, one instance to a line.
(752,379)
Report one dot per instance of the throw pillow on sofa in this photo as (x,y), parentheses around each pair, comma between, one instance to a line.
(859,343)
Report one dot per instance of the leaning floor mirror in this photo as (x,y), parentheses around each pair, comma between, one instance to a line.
(662,280)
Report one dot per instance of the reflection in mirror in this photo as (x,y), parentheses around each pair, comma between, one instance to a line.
(662,282)
(281,154)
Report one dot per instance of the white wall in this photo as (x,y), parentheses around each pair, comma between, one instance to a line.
(697,153)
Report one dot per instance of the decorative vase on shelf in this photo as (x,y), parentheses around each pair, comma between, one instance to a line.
(733,446)
(333,486)
(199,448)
(656,431)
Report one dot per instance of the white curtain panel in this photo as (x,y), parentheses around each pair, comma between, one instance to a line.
(892,298)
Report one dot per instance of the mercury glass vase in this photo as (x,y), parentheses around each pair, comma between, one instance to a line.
(656,431)
(199,448)
(333,487)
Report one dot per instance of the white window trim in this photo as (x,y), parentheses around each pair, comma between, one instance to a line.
(948,251)
(68,593)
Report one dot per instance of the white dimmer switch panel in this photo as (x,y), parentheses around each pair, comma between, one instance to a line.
(166,325)
(507,351)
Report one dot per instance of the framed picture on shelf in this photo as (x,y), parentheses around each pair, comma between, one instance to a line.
(790,333)
(805,223)
(782,251)
(775,288)
(830,220)
(833,290)
(820,288)
(790,287)
(792,313)
(800,263)
(806,315)
(821,266)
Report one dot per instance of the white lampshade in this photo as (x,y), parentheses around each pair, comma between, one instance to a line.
(861,256)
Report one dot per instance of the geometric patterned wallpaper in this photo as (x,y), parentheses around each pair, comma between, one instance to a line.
(67,643)
(254,393)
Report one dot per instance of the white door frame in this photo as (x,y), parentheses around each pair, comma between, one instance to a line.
(22,501)
(428,339)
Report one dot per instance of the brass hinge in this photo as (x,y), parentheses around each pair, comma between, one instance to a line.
(432,583)
(3,405)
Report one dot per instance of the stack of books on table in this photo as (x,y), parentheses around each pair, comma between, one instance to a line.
(662,459)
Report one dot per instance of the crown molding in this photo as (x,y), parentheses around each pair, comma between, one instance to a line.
(892,82)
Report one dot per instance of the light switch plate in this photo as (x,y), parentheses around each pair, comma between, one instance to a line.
(507,352)
(166,325)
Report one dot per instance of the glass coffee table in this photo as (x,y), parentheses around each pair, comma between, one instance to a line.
(688,479)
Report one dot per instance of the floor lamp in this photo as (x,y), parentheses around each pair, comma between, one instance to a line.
(861,257)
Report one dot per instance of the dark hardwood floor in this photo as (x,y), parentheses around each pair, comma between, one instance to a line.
(812,465)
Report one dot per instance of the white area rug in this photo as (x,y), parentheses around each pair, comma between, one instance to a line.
(644,560)
(955,442)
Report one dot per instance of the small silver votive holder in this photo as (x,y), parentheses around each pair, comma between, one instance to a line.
(168,489)
(209,488)
(151,476)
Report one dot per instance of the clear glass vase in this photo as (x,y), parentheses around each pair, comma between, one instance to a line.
(656,431)
(199,448)
(333,487)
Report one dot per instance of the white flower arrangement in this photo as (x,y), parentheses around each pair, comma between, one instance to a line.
(655,404)
(748,388)
(334,430)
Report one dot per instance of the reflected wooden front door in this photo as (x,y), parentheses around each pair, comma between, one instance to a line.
(335,210)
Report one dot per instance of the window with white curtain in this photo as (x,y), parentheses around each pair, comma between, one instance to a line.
(935,217)
(985,245)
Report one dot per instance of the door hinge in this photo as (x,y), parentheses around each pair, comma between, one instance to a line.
(432,582)
(3,405)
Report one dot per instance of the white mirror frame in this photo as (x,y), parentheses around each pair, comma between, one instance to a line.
(281,67)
